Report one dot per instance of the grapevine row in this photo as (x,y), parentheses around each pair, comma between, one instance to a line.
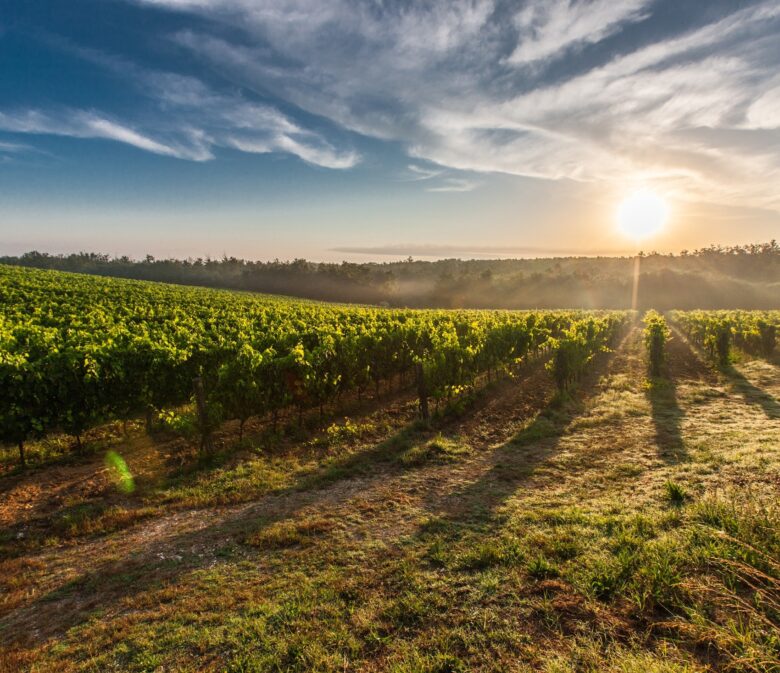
(715,332)
(76,351)
(656,334)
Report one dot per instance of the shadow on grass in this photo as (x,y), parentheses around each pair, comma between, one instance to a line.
(181,467)
(513,463)
(752,394)
(667,418)
(517,460)
(386,454)
(166,560)
(683,363)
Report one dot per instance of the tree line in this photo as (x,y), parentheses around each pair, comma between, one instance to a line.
(709,278)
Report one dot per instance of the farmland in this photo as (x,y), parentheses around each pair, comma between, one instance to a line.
(204,480)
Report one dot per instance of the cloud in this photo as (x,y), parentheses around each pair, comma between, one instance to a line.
(606,91)
(764,113)
(439,250)
(439,179)
(362,65)
(102,128)
(14,148)
(550,28)
(192,118)
(322,155)
(422,173)
(83,124)
(466,85)
(8,151)
(454,185)
(230,120)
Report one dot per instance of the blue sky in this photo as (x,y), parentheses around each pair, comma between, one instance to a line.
(334,129)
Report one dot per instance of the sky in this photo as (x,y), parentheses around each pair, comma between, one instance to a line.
(378,129)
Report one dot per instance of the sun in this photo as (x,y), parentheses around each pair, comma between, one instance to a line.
(642,214)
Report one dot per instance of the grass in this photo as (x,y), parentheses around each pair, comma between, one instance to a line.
(283,534)
(438,449)
(562,537)
(491,553)
(675,493)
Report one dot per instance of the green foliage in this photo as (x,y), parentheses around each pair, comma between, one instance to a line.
(440,449)
(656,334)
(716,578)
(505,551)
(540,568)
(78,350)
(182,424)
(243,384)
(578,343)
(715,331)
(347,431)
(713,277)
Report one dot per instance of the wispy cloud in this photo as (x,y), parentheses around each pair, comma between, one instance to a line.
(464,84)
(13,148)
(439,179)
(82,124)
(321,154)
(553,89)
(764,112)
(455,185)
(189,119)
(103,128)
(440,250)
(422,173)
(551,28)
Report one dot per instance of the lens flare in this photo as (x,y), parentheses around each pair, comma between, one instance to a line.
(120,472)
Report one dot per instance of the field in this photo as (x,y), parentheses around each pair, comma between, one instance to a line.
(240,483)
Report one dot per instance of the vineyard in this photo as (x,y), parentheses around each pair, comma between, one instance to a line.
(716,332)
(204,480)
(76,351)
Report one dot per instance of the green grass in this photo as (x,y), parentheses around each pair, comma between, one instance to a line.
(438,449)
(675,493)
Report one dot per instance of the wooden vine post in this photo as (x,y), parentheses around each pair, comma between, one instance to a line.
(422,391)
(149,419)
(206,443)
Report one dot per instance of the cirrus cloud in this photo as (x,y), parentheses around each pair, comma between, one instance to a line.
(489,86)
(85,124)
(189,120)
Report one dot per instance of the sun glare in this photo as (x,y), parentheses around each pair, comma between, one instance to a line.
(642,214)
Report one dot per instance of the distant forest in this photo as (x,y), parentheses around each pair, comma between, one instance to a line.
(716,277)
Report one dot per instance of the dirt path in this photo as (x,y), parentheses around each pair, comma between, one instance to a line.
(184,540)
